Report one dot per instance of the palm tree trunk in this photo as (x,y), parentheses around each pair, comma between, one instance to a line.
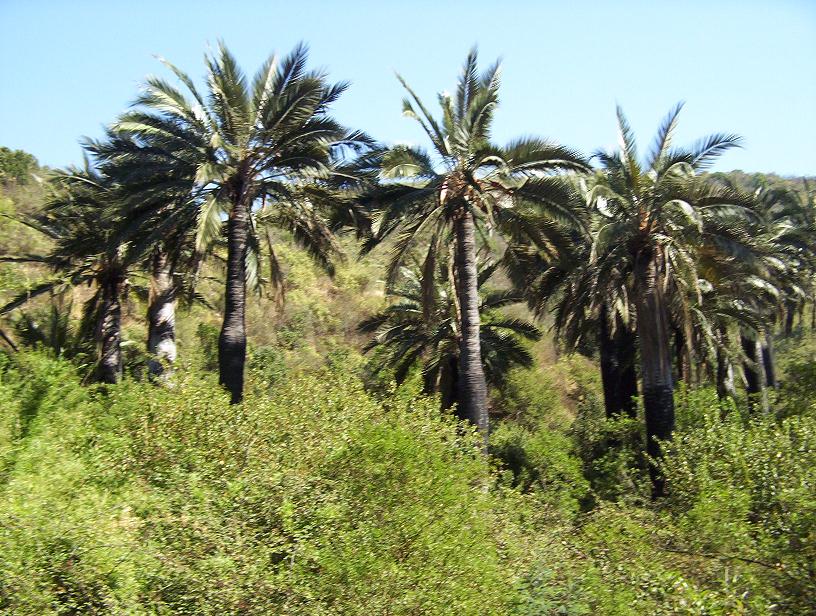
(448,386)
(656,364)
(232,341)
(109,329)
(471,378)
(681,349)
(790,313)
(725,381)
(754,373)
(618,373)
(161,315)
(769,360)
(749,367)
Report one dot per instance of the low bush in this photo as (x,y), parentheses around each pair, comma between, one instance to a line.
(317,500)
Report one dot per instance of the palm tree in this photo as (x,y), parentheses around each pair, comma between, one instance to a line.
(246,142)
(421,328)
(560,280)
(790,224)
(467,187)
(655,213)
(155,179)
(84,252)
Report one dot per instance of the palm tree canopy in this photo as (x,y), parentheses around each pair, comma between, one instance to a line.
(187,155)
(421,327)
(510,189)
(664,205)
(76,219)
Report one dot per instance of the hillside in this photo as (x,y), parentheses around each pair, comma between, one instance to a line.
(329,490)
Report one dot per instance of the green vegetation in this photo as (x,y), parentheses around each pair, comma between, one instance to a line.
(480,381)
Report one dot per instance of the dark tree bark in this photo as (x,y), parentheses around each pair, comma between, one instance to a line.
(656,364)
(449,386)
(161,315)
(754,371)
(725,383)
(749,367)
(232,341)
(109,328)
(790,313)
(681,353)
(618,371)
(769,360)
(472,386)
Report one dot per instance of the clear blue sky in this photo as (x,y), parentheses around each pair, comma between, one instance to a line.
(70,66)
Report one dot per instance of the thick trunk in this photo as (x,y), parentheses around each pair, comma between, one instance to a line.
(754,371)
(618,372)
(656,365)
(725,374)
(232,341)
(749,367)
(161,315)
(683,358)
(471,383)
(769,360)
(109,329)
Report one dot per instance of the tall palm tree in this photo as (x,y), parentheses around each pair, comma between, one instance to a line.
(468,186)
(246,142)
(421,327)
(655,212)
(84,252)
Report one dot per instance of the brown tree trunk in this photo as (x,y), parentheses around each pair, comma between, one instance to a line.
(618,371)
(790,313)
(109,329)
(449,386)
(754,371)
(161,315)
(725,381)
(471,382)
(656,364)
(232,341)
(682,356)
(769,360)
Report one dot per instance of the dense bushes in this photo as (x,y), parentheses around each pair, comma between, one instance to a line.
(314,498)
(316,501)
(744,491)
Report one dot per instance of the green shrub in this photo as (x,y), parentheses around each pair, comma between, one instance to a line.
(318,500)
(313,497)
(207,336)
(541,461)
(530,397)
(742,490)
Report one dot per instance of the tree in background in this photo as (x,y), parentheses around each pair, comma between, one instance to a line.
(654,213)
(16,166)
(421,328)
(589,306)
(84,251)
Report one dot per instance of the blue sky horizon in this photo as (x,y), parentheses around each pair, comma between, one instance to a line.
(742,67)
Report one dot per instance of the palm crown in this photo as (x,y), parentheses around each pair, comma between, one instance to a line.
(421,328)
